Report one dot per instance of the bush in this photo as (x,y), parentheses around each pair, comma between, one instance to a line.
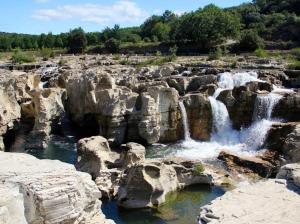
(215,54)
(147,40)
(22,57)
(296,53)
(199,168)
(46,53)
(250,41)
(173,52)
(261,53)
(112,45)
(295,64)
(158,54)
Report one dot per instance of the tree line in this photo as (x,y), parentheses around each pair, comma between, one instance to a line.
(250,24)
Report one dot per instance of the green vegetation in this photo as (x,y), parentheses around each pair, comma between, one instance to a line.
(22,57)
(199,168)
(215,54)
(250,25)
(117,57)
(46,53)
(62,62)
(261,53)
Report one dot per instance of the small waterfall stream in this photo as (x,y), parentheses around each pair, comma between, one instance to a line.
(187,135)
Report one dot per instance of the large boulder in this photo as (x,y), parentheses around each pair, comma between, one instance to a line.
(132,153)
(147,184)
(199,113)
(288,107)
(51,192)
(290,172)
(94,155)
(200,81)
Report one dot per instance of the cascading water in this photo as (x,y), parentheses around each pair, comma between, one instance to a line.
(264,106)
(187,135)
(224,137)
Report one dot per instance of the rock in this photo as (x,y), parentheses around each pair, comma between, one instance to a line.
(288,108)
(199,113)
(147,184)
(132,153)
(248,165)
(200,81)
(285,138)
(247,204)
(53,192)
(294,79)
(290,172)
(94,155)
(259,86)
(10,111)
(48,113)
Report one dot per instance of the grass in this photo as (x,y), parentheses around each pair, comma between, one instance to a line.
(157,61)
(117,57)
(294,64)
(199,168)
(215,55)
(20,57)
(62,62)
(46,53)
(261,53)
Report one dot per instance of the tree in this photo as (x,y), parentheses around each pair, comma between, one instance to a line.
(112,45)
(77,41)
(162,31)
(49,41)
(250,41)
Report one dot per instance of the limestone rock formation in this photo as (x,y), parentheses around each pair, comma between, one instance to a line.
(94,155)
(248,165)
(147,184)
(290,172)
(132,153)
(48,112)
(51,192)
(270,201)
(199,113)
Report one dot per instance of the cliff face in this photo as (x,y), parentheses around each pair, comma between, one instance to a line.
(45,191)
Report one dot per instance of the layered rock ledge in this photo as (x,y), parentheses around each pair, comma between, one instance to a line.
(44,191)
(273,201)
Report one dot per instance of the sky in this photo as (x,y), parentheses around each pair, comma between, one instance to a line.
(56,16)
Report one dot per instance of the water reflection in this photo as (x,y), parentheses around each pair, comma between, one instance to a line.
(181,207)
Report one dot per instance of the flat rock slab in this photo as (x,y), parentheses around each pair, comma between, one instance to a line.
(267,202)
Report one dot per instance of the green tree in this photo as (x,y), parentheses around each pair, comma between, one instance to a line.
(77,41)
(250,41)
(112,45)
(162,31)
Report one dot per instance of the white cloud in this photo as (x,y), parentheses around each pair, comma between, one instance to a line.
(119,12)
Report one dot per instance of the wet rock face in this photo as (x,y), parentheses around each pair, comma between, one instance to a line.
(288,107)
(200,81)
(51,191)
(263,167)
(199,113)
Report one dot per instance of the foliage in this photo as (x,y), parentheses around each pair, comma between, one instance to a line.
(77,41)
(62,62)
(250,41)
(46,53)
(22,57)
(173,53)
(112,45)
(199,168)
(215,54)
(261,53)
(117,57)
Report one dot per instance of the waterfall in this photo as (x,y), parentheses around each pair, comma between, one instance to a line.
(264,106)
(187,135)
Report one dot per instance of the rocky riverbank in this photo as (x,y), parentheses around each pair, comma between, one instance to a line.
(204,111)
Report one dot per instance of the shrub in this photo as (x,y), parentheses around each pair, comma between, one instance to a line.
(22,57)
(112,45)
(77,41)
(296,53)
(46,53)
(261,53)
(158,53)
(173,52)
(294,64)
(199,168)
(147,39)
(215,54)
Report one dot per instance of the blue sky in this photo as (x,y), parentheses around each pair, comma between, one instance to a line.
(43,16)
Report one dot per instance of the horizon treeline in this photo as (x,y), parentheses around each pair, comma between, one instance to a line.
(249,23)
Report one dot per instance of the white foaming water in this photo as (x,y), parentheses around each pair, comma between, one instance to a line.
(264,106)
(246,141)
(187,135)
(229,81)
